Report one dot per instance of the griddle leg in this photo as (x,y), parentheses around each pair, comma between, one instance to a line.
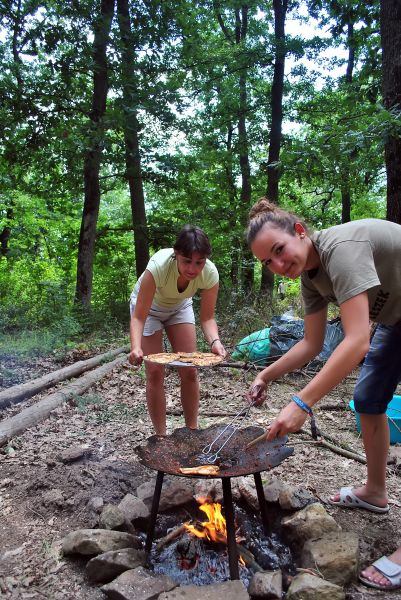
(262,503)
(153,513)
(231,543)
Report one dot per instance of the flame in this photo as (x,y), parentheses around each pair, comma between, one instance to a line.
(215,528)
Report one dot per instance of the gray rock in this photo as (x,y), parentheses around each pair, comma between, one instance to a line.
(234,590)
(53,498)
(133,508)
(105,567)
(111,517)
(75,453)
(311,522)
(90,542)
(272,489)
(247,490)
(294,498)
(335,555)
(174,493)
(208,490)
(95,504)
(309,587)
(266,586)
(138,584)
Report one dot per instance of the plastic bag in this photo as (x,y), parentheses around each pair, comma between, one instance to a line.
(284,334)
(254,347)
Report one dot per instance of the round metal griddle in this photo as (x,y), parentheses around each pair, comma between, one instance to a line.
(183,447)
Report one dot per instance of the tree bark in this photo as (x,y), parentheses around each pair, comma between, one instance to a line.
(132,149)
(390,30)
(20,392)
(241,31)
(40,411)
(238,37)
(273,169)
(87,236)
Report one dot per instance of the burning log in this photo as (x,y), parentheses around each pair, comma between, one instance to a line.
(175,533)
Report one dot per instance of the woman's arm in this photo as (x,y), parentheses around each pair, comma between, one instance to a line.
(208,322)
(142,307)
(300,354)
(345,358)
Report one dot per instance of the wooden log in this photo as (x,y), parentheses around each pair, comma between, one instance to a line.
(38,412)
(22,391)
(175,533)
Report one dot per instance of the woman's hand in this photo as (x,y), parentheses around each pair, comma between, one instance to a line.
(136,356)
(218,348)
(289,420)
(257,391)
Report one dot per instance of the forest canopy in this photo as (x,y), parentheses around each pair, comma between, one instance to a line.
(121,121)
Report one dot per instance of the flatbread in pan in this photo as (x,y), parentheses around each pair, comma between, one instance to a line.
(197,359)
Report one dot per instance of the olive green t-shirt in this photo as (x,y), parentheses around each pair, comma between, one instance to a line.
(163,267)
(360,256)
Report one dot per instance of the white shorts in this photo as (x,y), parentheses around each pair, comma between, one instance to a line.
(160,317)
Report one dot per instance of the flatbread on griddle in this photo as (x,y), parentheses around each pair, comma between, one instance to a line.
(201,470)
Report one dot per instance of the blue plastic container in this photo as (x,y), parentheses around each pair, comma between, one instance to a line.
(393,413)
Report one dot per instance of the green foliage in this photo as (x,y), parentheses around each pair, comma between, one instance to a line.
(186,97)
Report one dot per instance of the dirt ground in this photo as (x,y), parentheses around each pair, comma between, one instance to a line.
(42,498)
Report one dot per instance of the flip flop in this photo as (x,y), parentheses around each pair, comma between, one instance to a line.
(349,500)
(388,569)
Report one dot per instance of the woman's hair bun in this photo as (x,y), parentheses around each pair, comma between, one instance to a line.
(263,205)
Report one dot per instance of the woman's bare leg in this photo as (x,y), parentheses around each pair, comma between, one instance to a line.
(376,440)
(183,339)
(155,395)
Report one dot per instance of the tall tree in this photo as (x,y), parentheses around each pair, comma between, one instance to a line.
(131,136)
(87,236)
(390,30)
(276,101)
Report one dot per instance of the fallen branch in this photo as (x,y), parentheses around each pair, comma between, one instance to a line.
(36,413)
(334,447)
(22,391)
(178,412)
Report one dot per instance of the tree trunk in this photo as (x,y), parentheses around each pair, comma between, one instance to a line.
(40,411)
(132,151)
(273,170)
(345,202)
(239,37)
(6,233)
(390,30)
(20,392)
(233,215)
(345,186)
(245,196)
(87,236)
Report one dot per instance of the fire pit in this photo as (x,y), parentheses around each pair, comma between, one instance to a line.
(167,454)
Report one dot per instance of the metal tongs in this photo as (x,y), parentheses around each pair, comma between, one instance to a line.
(210,457)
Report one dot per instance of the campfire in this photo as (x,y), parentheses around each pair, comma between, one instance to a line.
(214,529)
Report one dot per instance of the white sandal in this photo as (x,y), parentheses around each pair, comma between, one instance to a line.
(390,570)
(349,500)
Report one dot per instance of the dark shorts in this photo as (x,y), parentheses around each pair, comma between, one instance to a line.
(380,372)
